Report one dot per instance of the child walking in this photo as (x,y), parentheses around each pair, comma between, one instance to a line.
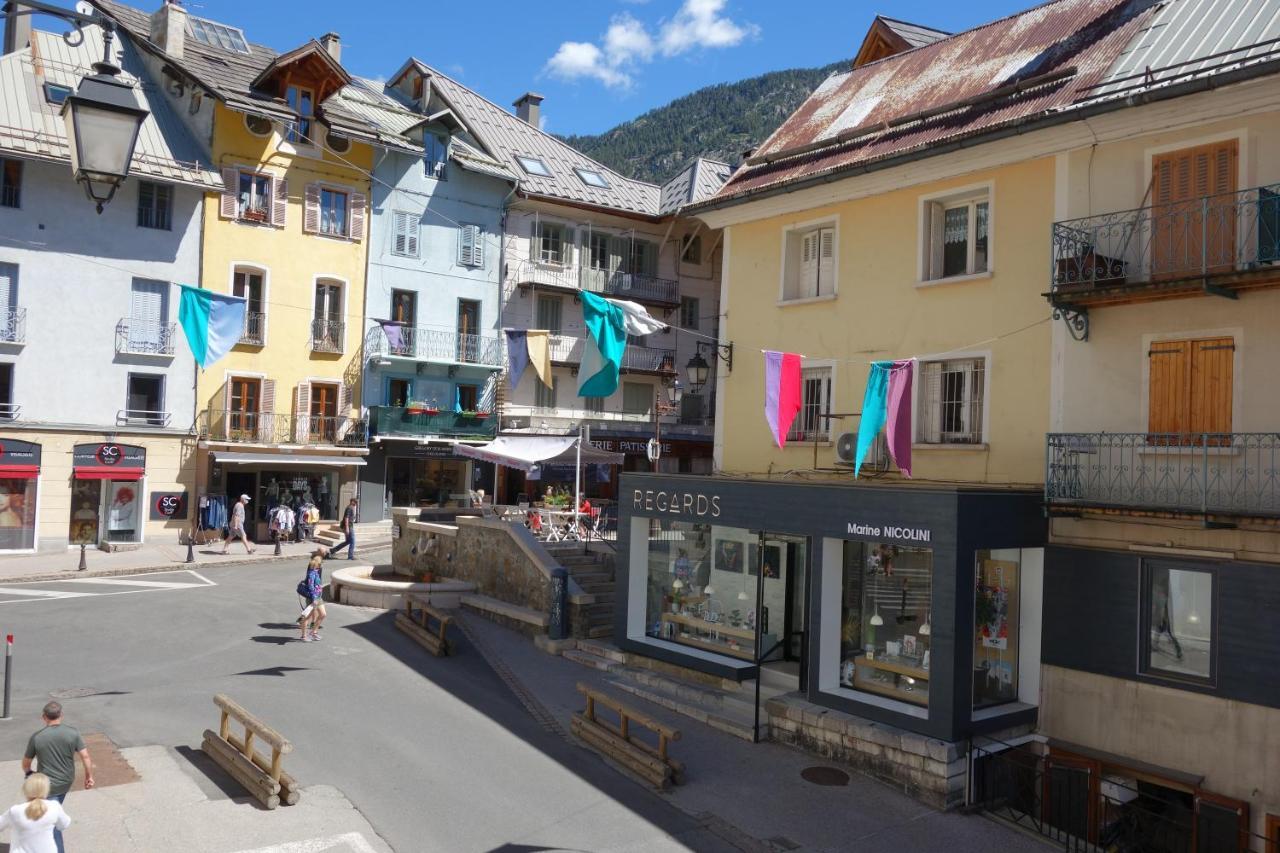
(312,590)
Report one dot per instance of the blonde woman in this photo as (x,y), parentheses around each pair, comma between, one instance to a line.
(31,825)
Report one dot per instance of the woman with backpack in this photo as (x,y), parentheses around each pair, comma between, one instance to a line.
(311,589)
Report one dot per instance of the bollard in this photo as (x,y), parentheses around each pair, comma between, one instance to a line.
(558,629)
(8,659)
(277,552)
(83,565)
(191,549)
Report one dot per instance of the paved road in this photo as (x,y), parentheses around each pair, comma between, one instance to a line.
(437,754)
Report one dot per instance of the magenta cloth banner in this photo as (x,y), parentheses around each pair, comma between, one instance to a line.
(897,428)
(781,392)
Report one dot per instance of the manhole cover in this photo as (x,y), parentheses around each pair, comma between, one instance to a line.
(825,776)
(74,692)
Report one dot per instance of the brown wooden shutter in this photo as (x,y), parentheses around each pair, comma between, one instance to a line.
(1169,387)
(344,400)
(1221,824)
(267,408)
(1181,240)
(311,209)
(1212,361)
(279,202)
(356,221)
(228,205)
(302,412)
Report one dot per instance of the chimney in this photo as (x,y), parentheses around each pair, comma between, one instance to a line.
(169,28)
(17,29)
(332,46)
(527,107)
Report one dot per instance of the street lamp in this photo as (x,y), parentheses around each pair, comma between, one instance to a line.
(699,371)
(675,393)
(103,116)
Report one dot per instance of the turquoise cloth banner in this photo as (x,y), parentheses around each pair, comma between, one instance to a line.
(212,322)
(874,410)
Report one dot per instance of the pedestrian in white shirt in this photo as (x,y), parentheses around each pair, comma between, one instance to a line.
(31,824)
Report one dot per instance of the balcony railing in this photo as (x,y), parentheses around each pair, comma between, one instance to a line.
(424,343)
(327,335)
(13,325)
(141,417)
(1205,473)
(643,359)
(135,337)
(255,329)
(1216,237)
(413,423)
(10,411)
(623,285)
(271,428)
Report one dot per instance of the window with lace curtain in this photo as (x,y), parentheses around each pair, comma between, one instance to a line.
(957,235)
(952,394)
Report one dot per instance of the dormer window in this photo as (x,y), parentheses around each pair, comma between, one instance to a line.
(435,155)
(592,178)
(217,35)
(302,101)
(533,166)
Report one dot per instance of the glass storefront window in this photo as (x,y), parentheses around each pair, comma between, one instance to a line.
(105,511)
(1180,621)
(885,617)
(296,489)
(17,513)
(996,627)
(426,482)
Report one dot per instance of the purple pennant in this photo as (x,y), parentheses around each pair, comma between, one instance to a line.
(395,335)
(898,422)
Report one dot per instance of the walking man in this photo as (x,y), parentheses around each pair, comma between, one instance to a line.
(54,749)
(235,529)
(349,518)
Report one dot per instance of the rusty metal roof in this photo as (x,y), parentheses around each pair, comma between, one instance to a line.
(1034,62)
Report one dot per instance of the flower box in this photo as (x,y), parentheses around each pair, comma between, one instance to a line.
(251,214)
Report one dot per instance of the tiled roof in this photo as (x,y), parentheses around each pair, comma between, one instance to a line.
(1031,63)
(31,126)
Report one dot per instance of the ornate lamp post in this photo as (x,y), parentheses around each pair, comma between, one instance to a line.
(675,393)
(699,371)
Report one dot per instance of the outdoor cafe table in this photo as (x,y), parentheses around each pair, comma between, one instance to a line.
(563,525)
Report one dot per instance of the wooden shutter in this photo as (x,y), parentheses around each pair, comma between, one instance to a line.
(355,222)
(279,202)
(826,262)
(466,243)
(228,205)
(267,409)
(344,400)
(302,412)
(1181,240)
(1212,361)
(931,402)
(1169,377)
(934,219)
(1222,824)
(477,246)
(808,265)
(8,289)
(311,209)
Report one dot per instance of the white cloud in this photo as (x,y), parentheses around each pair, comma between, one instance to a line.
(700,24)
(627,43)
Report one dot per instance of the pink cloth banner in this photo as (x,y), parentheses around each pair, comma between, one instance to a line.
(897,428)
(781,392)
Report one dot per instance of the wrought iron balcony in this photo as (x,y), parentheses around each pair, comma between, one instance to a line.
(1202,473)
(620,284)
(1218,244)
(135,337)
(255,329)
(271,428)
(641,359)
(393,421)
(440,344)
(13,325)
(327,335)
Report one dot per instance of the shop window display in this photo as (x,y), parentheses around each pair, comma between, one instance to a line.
(295,489)
(17,513)
(885,615)
(105,511)
(995,619)
(1179,622)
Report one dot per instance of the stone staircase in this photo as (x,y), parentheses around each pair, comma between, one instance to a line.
(369,534)
(724,705)
(593,574)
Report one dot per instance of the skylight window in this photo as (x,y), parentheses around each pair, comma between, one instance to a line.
(533,166)
(592,178)
(217,35)
(56,93)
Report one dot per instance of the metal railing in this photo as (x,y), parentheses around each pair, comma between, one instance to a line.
(142,417)
(10,196)
(1215,235)
(135,337)
(10,411)
(427,343)
(624,285)
(327,335)
(13,325)
(649,359)
(255,329)
(565,349)
(1224,473)
(271,428)
(417,423)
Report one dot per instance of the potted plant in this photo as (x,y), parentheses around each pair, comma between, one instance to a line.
(254,214)
(421,407)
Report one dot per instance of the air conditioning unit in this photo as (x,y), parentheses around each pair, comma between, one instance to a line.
(846,446)
(877,460)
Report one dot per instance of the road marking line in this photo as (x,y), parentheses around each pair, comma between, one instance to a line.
(127,582)
(19,591)
(43,593)
(315,845)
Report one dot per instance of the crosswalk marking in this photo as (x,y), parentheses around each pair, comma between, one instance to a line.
(43,593)
(55,590)
(350,842)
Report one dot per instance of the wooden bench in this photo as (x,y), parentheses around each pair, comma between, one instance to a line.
(619,742)
(424,623)
(261,776)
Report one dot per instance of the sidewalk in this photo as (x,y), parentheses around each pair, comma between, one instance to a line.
(173,805)
(152,558)
(752,795)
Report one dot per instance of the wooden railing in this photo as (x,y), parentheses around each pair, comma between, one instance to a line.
(622,744)
(262,776)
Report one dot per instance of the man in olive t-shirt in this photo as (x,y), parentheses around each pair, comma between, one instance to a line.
(54,749)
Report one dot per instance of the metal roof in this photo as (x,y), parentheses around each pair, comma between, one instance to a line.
(1031,63)
(1187,38)
(916,35)
(701,179)
(32,126)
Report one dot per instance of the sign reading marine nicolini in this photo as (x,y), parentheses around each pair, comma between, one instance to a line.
(890,531)
(673,502)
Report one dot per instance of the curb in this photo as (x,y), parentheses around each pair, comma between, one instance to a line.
(178,565)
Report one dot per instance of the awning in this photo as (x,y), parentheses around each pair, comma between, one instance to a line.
(19,471)
(109,473)
(526,451)
(229,458)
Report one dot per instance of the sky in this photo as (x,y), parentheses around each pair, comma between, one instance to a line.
(598,62)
